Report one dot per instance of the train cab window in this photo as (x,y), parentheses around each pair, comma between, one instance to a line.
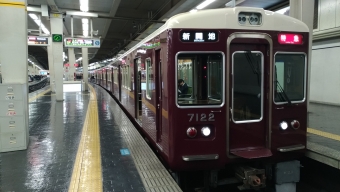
(149,79)
(247,67)
(200,79)
(289,78)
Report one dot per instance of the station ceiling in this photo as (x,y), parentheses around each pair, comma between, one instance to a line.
(121,23)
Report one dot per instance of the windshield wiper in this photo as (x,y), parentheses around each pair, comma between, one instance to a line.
(283,93)
(255,69)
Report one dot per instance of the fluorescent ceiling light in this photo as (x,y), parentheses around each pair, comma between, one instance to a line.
(33,16)
(230,3)
(204,4)
(39,23)
(84,5)
(84,20)
(283,11)
(81,14)
(85,27)
(85,33)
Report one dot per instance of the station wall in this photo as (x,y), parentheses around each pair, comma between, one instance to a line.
(325,72)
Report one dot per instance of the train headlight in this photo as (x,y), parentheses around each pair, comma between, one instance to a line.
(205,131)
(191,132)
(283,125)
(295,124)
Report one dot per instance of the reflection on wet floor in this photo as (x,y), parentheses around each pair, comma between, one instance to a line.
(55,129)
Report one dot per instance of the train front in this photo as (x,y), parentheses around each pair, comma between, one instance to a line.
(239,80)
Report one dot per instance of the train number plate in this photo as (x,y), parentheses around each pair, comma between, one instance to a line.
(201,117)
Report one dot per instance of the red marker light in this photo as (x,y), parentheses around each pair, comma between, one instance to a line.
(205,67)
(288,38)
(191,132)
(295,124)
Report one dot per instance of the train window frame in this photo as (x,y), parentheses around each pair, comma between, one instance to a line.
(128,77)
(115,76)
(149,97)
(233,89)
(304,78)
(223,80)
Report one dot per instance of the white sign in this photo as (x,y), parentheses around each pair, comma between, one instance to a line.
(9,97)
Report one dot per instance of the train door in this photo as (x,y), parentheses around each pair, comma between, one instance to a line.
(159,94)
(138,90)
(249,59)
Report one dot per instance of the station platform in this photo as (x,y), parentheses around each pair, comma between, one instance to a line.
(85,143)
(323,134)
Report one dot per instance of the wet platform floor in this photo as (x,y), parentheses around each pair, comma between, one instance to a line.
(56,132)
(56,129)
(323,137)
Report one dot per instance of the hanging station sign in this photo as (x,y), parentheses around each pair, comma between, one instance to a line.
(37,41)
(82,42)
(199,36)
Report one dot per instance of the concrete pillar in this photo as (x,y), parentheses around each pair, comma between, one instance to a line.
(57,51)
(72,61)
(13,59)
(85,66)
(51,65)
(304,11)
(0,74)
(13,41)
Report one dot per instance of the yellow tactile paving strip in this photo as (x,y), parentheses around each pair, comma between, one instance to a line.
(33,98)
(12,3)
(324,134)
(87,170)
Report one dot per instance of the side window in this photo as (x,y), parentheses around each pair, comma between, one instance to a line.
(149,78)
(128,77)
(290,77)
(200,79)
(123,76)
(115,76)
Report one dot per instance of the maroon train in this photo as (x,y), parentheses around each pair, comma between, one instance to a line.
(245,101)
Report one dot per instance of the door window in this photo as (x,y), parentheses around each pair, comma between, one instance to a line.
(149,79)
(247,92)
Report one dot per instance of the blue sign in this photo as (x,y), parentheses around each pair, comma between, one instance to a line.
(124,152)
(97,43)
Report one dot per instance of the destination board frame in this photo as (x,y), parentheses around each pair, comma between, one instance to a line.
(37,41)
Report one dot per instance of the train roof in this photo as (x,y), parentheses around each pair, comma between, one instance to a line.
(225,18)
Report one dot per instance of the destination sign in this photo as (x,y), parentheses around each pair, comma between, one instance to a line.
(199,36)
(82,42)
(37,41)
